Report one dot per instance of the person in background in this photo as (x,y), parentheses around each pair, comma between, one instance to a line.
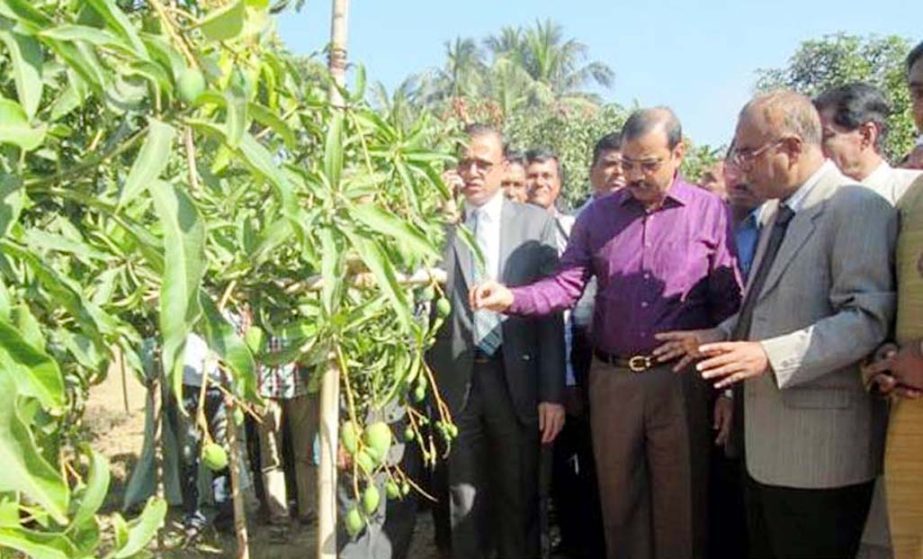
(284,389)
(914,159)
(712,180)
(745,209)
(662,253)
(855,121)
(200,363)
(514,179)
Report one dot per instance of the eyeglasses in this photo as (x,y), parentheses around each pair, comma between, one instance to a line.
(647,166)
(480,166)
(744,156)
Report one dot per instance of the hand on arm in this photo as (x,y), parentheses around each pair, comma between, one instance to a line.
(491,296)
(897,371)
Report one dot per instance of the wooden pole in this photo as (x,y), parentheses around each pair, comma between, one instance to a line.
(330,384)
(240,516)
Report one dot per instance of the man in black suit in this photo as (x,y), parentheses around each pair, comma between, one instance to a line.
(502,377)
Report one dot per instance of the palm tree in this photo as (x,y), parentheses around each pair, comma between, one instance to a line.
(463,68)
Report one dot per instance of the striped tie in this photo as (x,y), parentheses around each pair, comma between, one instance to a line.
(487,331)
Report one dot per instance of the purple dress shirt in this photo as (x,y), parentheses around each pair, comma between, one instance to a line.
(672,269)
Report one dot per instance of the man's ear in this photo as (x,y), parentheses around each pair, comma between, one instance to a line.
(869,132)
(794,145)
(679,151)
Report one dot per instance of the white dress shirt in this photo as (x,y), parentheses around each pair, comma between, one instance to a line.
(889,182)
(487,232)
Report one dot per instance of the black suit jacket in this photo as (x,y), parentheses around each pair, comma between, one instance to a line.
(533,348)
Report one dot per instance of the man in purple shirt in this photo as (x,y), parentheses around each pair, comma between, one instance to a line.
(662,253)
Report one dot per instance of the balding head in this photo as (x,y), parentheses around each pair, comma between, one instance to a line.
(778,143)
(786,113)
(645,121)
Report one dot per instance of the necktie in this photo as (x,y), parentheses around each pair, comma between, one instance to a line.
(745,320)
(735,447)
(487,331)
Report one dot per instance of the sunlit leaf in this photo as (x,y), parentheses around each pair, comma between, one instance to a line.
(26,55)
(152,158)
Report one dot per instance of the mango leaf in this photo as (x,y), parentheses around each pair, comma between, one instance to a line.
(224,340)
(98,37)
(24,469)
(224,23)
(37,544)
(236,123)
(36,374)
(184,267)
(15,128)
(24,12)
(151,160)
(11,202)
(374,257)
(405,234)
(117,20)
(259,158)
(333,150)
(26,55)
(94,493)
(269,118)
(142,529)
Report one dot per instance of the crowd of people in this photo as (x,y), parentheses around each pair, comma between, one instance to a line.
(724,369)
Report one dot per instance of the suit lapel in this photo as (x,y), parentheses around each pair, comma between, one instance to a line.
(801,228)
(463,256)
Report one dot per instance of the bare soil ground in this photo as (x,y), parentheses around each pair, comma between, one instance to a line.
(119,434)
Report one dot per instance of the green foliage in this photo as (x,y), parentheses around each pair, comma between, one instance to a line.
(137,201)
(840,59)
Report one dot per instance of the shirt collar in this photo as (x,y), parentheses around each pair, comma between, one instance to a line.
(489,209)
(678,192)
(796,200)
(878,174)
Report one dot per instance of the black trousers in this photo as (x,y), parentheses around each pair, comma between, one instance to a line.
(788,523)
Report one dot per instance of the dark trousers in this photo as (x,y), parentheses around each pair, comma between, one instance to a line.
(651,440)
(190,438)
(788,523)
(575,491)
(727,518)
(493,473)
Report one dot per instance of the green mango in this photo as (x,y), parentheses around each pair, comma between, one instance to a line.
(378,439)
(370,499)
(214,457)
(354,522)
(190,85)
(349,437)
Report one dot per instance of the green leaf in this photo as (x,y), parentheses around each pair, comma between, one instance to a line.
(259,158)
(333,150)
(224,23)
(36,544)
(151,160)
(269,118)
(24,469)
(15,128)
(222,338)
(382,222)
(12,197)
(25,12)
(144,528)
(236,123)
(36,374)
(26,55)
(378,263)
(97,485)
(184,266)
(119,22)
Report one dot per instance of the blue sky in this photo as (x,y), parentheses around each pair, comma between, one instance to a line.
(697,57)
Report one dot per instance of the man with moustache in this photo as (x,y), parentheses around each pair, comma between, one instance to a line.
(662,253)
(820,298)
(501,377)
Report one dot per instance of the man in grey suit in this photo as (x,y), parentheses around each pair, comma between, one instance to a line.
(820,298)
(502,377)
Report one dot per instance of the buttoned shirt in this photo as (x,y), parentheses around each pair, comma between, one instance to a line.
(746,236)
(673,268)
(487,232)
(282,382)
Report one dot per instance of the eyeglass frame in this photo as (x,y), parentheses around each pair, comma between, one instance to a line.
(741,158)
(648,167)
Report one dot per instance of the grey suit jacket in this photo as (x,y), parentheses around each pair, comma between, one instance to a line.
(533,349)
(828,302)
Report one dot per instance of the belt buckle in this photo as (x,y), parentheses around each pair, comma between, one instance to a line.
(640,363)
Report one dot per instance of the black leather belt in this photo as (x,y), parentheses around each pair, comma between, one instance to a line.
(635,363)
(481,357)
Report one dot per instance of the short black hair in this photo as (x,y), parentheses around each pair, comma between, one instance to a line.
(610,142)
(514,156)
(543,154)
(853,105)
(914,56)
(644,121)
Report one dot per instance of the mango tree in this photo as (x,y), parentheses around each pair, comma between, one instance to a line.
(165,167)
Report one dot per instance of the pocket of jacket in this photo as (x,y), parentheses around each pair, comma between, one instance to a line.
(818,398)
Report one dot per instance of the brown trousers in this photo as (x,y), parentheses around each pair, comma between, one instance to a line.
(904,478)
(651,439)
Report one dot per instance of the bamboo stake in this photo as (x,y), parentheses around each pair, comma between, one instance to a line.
(240,517)
(330,385)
